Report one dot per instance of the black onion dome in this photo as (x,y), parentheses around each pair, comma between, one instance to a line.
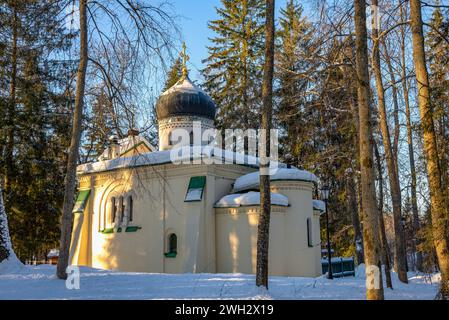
(185,99)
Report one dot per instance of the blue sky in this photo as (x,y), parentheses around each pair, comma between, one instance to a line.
(194,16)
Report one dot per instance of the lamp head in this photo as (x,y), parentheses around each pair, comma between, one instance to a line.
(325,191)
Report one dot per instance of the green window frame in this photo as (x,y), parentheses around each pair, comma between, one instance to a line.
(196,189)
(81,201)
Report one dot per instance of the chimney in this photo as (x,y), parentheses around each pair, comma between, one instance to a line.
(133,133)
(114,147)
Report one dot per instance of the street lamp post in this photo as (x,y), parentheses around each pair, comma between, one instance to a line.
(403,223)
(325,197)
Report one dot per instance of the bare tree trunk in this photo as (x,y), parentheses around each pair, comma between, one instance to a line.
(438,196)
(70,179)
(397,127)
(352,202)
(383,235)
(9,150)
(263,235)
(374,290)
(411,153)
(353,181)
(400,257)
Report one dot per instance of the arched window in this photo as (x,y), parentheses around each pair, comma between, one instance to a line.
(309,233)
(130,208)
(122,211)
(172,243)
(114,210)
(170,139)
(191,138)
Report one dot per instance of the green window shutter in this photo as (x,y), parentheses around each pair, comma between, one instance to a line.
(195,189)
(107,231)
(81,201)
(132,228)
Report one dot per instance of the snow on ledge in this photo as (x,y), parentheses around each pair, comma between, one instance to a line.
(183,155)
(249,199)
(319,205)
(251,180)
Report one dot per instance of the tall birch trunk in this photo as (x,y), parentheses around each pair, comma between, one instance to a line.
(411,152)
(263,234)
(400,259)
(70,178)
(383,234)
(438,196)
(371,241)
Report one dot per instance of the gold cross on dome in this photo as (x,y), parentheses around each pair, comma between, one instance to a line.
(185,58)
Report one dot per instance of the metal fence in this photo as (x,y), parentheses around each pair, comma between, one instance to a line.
(341,267)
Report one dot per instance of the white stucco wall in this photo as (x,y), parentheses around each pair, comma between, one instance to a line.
(168,125)
(209,239)
(289,251)
(159,209)
(236,231)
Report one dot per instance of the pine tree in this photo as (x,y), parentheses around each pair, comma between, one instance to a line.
(37,192)
(33,38)
(99,124)
(438,57)
(173,75)
(233,72)
(316,114)
(295,43)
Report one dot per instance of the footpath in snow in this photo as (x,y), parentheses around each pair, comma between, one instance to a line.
(39,282)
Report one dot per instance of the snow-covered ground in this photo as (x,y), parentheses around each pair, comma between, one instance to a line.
(39,282)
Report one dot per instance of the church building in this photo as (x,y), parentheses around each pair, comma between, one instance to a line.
(137,210)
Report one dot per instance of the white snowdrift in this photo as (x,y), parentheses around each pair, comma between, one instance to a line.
(250,199)
(11,265)
(251,180)
(40,283)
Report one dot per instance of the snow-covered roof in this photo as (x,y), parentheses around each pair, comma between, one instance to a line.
(250,199)
(178,155)
(53,253)
(127,144)
(185,99)
(251,180)
(183,85)
(319,205)
(132,141)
